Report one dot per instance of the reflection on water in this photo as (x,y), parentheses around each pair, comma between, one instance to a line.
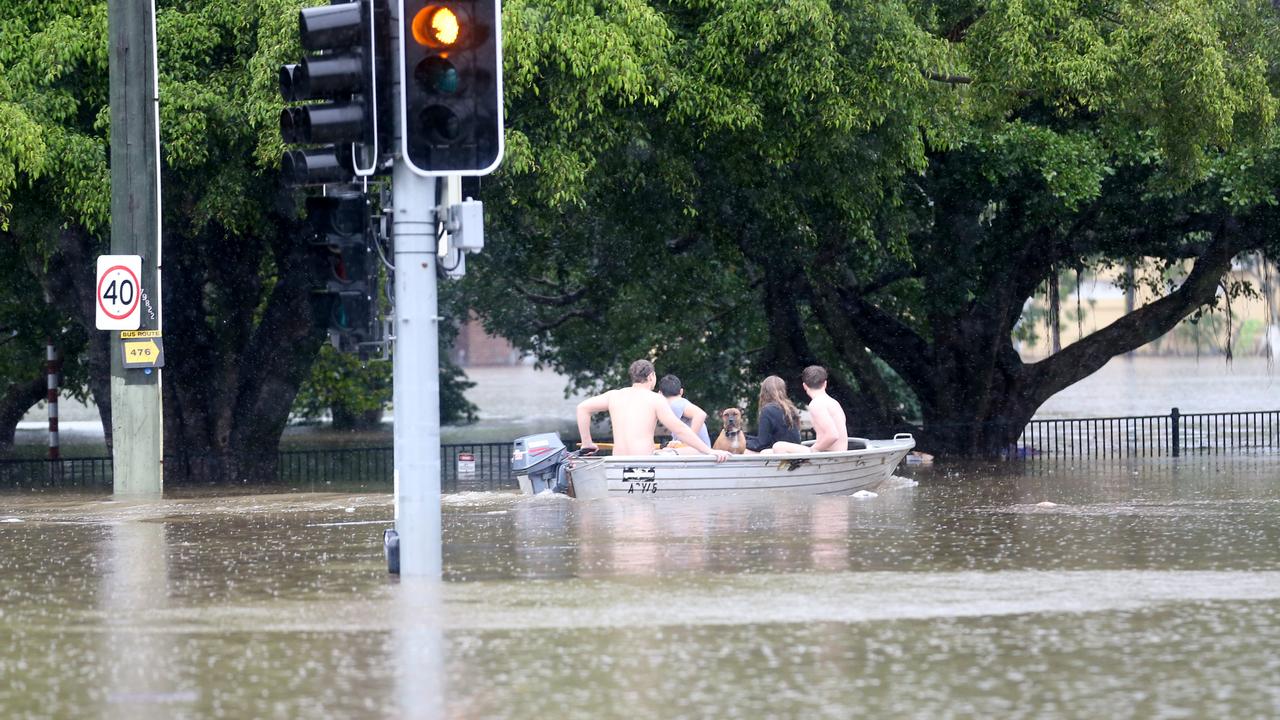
(418,647)
(135,585)
(1042,590)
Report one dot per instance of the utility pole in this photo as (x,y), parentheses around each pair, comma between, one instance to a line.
(416,374)
(415,360)
(449,123)
(137,422)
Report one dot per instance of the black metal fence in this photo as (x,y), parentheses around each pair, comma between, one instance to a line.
(94,472)
(463,467)
(487,466)
(313,469)
(1171,435)
(467,466)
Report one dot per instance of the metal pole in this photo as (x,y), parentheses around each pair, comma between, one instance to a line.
(416,374)
(51,398)
(136,407)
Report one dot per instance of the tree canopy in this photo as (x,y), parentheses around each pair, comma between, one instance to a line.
(741,188)
(238,328)
(733,187)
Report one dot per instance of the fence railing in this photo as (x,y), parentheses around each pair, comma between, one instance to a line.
(1171,435)
(487,466)
(94,472)
(464,466)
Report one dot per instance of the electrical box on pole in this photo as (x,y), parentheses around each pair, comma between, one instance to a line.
(451,86)
(349,132)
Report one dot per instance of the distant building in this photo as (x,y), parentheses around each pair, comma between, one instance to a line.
(473,347)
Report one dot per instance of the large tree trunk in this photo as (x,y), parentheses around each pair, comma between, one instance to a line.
(230,383)
(15,401)
(976,393)
(980,395)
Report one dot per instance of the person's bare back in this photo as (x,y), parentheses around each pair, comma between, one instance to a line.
(825,413)
(635,412)
(828,423)
(634,415)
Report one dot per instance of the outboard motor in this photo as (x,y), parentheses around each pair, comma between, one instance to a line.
(539,462)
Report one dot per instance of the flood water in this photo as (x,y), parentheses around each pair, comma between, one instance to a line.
(1044,590)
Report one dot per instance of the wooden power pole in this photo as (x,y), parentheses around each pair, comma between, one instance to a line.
(137,423)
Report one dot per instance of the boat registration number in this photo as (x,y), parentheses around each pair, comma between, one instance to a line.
(640,480)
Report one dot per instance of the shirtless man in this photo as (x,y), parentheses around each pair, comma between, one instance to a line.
(635,412)
(825,414)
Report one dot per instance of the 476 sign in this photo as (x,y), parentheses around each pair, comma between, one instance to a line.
(118,292)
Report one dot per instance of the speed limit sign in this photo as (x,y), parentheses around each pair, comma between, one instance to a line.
(118,291)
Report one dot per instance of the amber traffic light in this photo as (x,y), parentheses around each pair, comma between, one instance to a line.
(451,79)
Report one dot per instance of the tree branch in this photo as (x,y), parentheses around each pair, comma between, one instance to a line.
(875,399)
(548,326)
(890,338)
(680,246)
(547,300)
(947,78)
(1143,325)
(887,278)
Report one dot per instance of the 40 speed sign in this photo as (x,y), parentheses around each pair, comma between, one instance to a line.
(119,290)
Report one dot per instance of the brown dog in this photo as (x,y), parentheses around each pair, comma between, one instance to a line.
(733,438)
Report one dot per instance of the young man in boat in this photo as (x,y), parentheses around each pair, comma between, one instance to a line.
(692,415)
(825,414)
(635,412)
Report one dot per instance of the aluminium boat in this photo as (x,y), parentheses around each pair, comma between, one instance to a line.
(541,463)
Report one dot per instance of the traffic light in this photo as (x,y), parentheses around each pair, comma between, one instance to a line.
(348,71)
(346,267)
(451,85)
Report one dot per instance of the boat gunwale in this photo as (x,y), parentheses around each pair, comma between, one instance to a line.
(873,447)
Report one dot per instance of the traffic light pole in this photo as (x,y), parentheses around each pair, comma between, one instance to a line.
(416,373)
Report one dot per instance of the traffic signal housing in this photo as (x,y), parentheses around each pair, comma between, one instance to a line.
(451,85)
(345,270)
(348,71)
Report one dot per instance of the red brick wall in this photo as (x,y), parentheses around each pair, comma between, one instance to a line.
(474,347)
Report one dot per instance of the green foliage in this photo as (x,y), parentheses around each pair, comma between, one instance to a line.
(678,170)
(344,386)
(27,323)
(347,388)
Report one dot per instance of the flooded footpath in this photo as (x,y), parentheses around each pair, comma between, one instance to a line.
(1044,590)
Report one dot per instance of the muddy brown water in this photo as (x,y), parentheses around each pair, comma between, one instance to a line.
(1043,590)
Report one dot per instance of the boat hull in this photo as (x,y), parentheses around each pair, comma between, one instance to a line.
(828,473)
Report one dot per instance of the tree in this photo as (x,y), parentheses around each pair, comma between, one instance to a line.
(27,324)
(355,393)
(877,187)
(238,327)
(239,336)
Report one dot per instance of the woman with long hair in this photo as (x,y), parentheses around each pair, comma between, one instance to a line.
(779,420)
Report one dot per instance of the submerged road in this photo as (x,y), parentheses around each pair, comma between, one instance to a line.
(1041,590)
